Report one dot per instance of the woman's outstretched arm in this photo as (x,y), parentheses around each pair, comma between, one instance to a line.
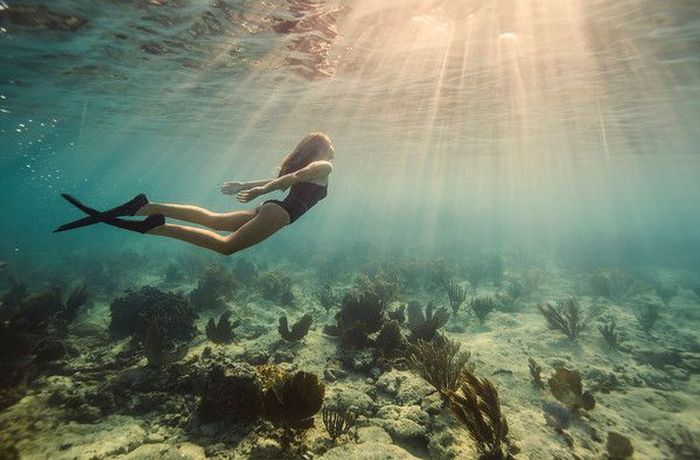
(313,170)
(233,187)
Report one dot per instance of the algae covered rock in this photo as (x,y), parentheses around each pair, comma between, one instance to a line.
(233,393)
(566,386)
(618,446)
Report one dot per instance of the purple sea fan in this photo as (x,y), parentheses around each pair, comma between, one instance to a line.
(556,415)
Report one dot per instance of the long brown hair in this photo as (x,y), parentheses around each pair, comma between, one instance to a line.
(308,150)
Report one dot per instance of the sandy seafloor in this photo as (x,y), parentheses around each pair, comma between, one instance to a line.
(652,398)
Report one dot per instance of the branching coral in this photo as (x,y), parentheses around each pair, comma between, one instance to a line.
(299,329)
(476,405)
(425,325)
(457,295)
(609,332)
(361,314)
(441,363)
(222,332)
(569,321)
(482,306)
(338,420)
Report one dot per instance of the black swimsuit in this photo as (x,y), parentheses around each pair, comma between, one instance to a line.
(302,196)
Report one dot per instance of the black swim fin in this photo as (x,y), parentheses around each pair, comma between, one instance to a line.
(141,226)
(127,209)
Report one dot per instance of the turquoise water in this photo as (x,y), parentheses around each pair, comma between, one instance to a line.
(560,135)
(530,127)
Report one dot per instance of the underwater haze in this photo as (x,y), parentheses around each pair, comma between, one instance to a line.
(507,264)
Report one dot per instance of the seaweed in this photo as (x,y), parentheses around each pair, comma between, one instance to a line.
(482,306)
(567,388)
(299,329)
(569,320)
(425,325)
(222,332)
(476,405)
(456,294)
(440,363)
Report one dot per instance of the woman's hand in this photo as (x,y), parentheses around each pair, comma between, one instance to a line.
(232,187)
(245,196)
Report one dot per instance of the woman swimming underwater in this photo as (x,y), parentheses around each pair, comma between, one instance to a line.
(305,170)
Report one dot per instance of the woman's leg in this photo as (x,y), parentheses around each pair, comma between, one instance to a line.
(268,220)
(228,221)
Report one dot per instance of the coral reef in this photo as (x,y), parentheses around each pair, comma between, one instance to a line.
(390,340)
(567,388)
(361,314)
(383,284)
(569,321)
(215,287)
(277,287)
(136,310)
(233,393)
(425,325)
(222,331)
(299,329)
(244,271)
